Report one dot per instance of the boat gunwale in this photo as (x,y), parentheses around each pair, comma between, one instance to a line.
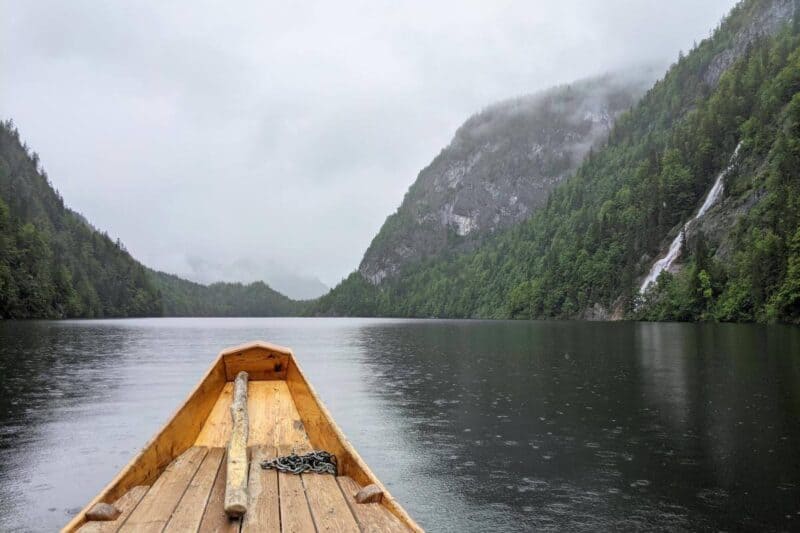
(387,499)
(80,518)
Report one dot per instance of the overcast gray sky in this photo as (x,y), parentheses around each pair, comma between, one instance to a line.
(284,133)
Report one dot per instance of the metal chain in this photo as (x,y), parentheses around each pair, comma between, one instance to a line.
(319,462)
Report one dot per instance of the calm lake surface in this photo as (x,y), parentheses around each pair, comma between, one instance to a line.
(473,426)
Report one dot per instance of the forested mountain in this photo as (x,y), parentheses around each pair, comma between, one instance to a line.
(186,298)
(554,205)
(499,168)
(585,253)
(53,264)
(287,281)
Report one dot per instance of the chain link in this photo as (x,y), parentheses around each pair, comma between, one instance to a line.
(319,462)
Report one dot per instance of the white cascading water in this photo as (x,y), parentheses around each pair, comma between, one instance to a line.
(665,263)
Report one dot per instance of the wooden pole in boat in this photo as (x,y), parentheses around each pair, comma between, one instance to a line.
(236,484)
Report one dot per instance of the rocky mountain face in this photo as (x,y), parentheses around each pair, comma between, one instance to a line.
(500,167)
(756,20)
(762,19)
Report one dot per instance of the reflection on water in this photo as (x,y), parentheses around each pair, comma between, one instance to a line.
(473,426)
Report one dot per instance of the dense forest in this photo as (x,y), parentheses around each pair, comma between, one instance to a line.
(53,264)
(185,298)
(601,230)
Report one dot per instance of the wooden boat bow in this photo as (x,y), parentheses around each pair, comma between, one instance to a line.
(178,480)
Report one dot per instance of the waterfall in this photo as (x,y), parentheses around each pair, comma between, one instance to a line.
(665,263)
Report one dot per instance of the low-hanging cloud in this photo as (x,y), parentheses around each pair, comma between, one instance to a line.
(285,132)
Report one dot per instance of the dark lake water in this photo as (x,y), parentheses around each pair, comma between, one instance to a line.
(473,426)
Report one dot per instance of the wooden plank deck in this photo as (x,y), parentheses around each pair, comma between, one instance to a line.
(214,518)
(263,513)
(189,494)
(157,506)
(188,513)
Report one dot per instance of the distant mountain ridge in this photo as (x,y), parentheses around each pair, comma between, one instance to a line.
(249,270)
(187,298)
(499,168)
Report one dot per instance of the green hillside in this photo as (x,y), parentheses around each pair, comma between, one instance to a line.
(53,264)
(186,298)
(584,254)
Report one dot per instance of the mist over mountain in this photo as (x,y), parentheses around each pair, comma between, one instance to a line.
(500,167)
(293,284)
(289,131)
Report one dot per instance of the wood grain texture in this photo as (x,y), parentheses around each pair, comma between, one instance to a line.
(324,434)
(260,399)
(328,506)
(155,509)
(126,504)
(371,517)
(295,513)
(217,428)
(216,431)
(263,509)
(319,430)
(290,433)
(214,518)
(189,512)
(236,458)
(259,363)
(329,510)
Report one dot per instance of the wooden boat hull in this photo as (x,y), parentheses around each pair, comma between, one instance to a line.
(184,461)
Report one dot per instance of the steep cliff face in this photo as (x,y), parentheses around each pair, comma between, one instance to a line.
(758,20)
(500,167)
(762,20)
